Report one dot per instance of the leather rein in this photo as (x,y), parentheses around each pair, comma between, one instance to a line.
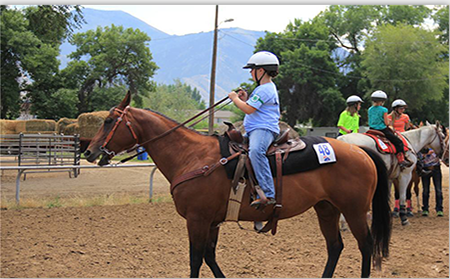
(123,116)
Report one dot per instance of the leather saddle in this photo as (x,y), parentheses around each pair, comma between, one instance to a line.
(383,144)
(281,145)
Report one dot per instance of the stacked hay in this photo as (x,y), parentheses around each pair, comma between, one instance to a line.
(90,123)
(8,126)
(27,126)
(63,123)
(42,126)
(71,129)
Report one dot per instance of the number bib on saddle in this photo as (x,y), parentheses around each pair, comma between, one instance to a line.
(325,153)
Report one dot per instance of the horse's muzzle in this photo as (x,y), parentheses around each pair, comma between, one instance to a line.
(91,156)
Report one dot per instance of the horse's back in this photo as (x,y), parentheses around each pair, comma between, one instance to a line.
(358,139)
(349,181)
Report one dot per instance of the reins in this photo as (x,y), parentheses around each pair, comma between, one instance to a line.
(128,123)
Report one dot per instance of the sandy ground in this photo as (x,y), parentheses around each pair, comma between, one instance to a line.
(150,240)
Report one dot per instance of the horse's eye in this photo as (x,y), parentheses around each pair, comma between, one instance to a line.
(108,120)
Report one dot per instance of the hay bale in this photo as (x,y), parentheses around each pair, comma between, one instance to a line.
(63,123)
(240,126)
(71,129)
(7,126)
(20,126)
(89,123)
(40,125)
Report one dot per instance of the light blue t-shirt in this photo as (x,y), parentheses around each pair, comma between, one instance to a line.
(376,119)
(267,115)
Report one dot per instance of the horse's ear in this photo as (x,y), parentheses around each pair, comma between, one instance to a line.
(126,101)
(428,123)
(438,124)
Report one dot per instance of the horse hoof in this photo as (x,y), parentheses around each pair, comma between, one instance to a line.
(406,223)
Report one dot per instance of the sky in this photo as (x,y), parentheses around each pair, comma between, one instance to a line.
(189,16)
(179,19)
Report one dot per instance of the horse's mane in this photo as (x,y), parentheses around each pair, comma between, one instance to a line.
(173,121)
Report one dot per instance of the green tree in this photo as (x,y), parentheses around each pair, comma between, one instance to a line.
(109,57)
(178,101)
(413,15)
(441,18)
(30,41)
(14,37)
(54,23)
(406,62)
(351,25)
(307,79)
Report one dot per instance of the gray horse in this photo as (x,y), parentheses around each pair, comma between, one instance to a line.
(433,136)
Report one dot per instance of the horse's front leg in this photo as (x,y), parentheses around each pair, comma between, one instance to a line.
(210,254)
(198,231)
(403,181)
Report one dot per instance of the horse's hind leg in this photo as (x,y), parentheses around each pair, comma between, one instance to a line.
(329,225)
(210,254)
(357,221)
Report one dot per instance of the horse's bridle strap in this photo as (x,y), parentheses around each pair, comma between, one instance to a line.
(204,171)
(123,116)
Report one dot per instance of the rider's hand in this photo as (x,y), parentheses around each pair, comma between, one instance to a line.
(233,95)
(242,94)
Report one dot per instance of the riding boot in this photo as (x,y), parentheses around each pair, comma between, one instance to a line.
(402,162)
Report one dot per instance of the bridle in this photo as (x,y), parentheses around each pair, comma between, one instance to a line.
(123,116)
(444,146)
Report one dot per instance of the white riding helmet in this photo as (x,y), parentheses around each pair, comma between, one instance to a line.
(399,103)
(354,99)
(378,96)
(263,59)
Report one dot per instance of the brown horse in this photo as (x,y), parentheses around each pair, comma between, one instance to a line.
(349,186)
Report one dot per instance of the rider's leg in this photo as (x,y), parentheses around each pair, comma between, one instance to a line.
(260,140)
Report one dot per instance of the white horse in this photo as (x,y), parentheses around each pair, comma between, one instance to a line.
(433,136)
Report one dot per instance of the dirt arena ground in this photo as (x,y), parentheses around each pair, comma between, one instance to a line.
(150,240)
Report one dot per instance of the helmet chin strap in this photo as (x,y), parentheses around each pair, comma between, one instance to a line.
(258,80)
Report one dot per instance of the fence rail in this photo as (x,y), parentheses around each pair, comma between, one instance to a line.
(22,169)
(37,149)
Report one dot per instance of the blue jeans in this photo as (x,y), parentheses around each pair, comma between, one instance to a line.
(260,140)
(436,175)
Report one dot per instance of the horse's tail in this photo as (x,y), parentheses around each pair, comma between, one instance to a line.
(381,210)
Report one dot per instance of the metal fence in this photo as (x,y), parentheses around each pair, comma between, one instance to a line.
(22,170)
(37,149)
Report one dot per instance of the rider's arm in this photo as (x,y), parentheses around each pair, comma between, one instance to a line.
(247,109)
(387,121)
(345,129)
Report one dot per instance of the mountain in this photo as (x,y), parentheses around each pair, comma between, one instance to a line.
(188,57)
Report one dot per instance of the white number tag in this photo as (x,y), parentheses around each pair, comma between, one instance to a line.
(325,153)
(381,143)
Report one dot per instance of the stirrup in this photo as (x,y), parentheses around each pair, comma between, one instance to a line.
(262,202)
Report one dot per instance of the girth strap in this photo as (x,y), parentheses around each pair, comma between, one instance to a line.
(204,171)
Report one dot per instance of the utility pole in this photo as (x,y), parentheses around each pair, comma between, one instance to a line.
(213,75)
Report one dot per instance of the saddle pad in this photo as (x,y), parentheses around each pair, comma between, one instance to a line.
(297,161)
(385,146)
